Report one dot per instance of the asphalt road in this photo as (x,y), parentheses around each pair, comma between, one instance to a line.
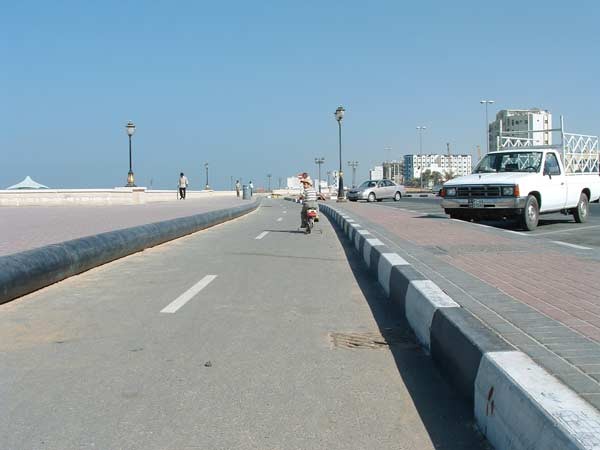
(555,227)
(248,335)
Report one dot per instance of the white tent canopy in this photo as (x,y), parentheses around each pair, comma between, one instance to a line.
(28,183)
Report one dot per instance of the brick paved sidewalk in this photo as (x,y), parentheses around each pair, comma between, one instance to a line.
(27,227)
(542,299)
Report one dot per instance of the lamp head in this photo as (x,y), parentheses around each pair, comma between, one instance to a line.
(130,127)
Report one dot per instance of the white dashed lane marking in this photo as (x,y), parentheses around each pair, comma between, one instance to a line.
(262,235)
(579,247)
(188,295)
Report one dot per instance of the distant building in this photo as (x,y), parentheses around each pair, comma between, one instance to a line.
(394,170)
(293,183)
(414,165)
(376,173)
(532,124)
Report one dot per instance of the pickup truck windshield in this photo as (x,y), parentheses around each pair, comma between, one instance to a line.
(510,162)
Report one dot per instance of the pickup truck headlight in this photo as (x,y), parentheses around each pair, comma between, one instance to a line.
(450,191)
(510,191)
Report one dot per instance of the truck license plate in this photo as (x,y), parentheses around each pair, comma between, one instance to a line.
(476,203)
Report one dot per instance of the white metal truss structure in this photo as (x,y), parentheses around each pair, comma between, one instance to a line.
(580,152)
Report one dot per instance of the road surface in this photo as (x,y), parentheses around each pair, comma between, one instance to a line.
(248,335)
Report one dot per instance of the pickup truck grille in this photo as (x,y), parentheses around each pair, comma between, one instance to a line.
(482,191)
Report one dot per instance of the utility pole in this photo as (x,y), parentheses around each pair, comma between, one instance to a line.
(269,177)
(354,165)
(279,182)
(420,129)
(478,153)
(318,162)
(487,125)
(448,147)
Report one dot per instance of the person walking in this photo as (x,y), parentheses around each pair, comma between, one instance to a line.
(251,188)
(183,184)
(238,186)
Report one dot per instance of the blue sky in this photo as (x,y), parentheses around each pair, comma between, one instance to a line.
(251,87)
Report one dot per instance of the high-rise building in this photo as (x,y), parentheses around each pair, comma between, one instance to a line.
(393,170)
(457,165)
(376,173)
(528,124)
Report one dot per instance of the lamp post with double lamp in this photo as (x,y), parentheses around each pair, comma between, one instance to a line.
(354,165)
(318,162)
(339,115)
(207,187)
(420,130)
(487,125)
(130,127)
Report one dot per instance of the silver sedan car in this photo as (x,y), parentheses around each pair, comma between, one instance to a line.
(376,190)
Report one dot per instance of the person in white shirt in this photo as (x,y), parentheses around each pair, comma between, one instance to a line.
(183,184)
(309,199)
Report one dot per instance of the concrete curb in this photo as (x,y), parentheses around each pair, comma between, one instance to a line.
(25,272)
(517,404)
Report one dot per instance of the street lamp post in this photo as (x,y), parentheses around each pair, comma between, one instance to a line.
(354,165)
(207,187)
(339,115)
(318,162)
(130,127)
(420,130)
(269,177)
(487,125)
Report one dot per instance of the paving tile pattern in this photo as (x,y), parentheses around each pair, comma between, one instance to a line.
(544,301)
(28,227)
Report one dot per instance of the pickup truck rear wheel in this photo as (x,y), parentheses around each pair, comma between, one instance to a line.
(531,214)
(581,212)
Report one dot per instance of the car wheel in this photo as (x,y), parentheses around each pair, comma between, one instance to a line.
(531,214)
(582,211)
(397,196)
(371,197)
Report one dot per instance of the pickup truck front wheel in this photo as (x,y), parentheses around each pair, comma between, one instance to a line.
(531,214)
(581,212)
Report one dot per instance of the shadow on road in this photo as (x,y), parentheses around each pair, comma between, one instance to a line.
(446,415)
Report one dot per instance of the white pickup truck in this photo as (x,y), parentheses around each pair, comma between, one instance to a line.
(522,181)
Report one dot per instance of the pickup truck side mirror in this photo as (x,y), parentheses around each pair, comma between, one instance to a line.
(548,172)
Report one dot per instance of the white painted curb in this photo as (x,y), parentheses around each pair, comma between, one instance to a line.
(369,244)
(423,298)
(518,405)
(384,269)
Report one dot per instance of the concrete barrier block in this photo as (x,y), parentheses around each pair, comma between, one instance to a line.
(518,405)
(458,342)
(400,279)
(384,269)
(423,298)
(369,244)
